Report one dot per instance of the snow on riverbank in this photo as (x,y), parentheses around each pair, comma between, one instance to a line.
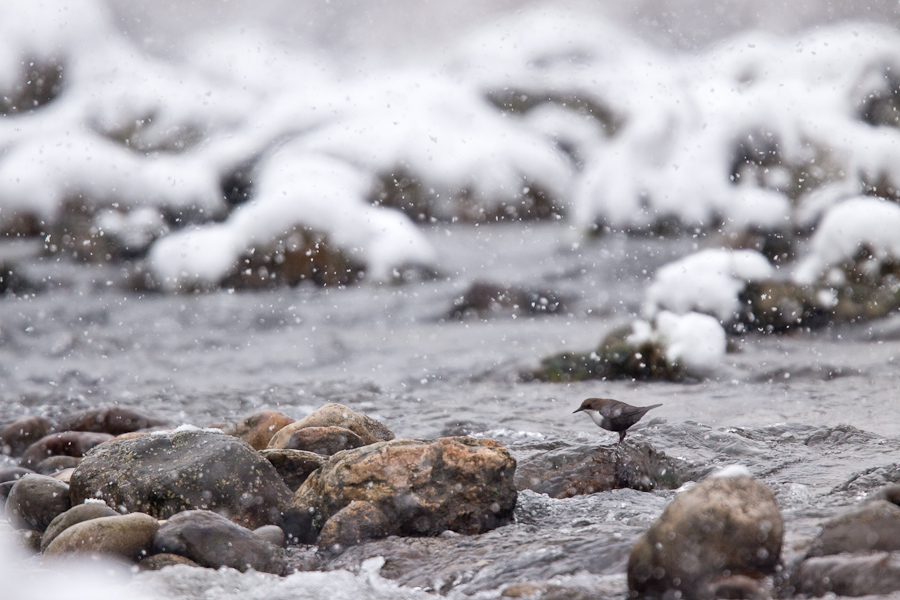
(544,114)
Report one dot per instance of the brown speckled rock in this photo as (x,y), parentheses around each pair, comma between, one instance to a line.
(423,487)
(73,516)
(164,474)
(323,440)
(336,415)
(259,428)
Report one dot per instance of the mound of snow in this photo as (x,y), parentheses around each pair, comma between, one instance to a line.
(849,228)
(708,281)
(458,147)
(693,340)
(297,190)
(39,176)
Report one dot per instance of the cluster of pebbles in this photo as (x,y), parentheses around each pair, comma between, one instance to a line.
(125,485)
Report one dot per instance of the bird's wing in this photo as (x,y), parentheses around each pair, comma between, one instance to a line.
(614,410)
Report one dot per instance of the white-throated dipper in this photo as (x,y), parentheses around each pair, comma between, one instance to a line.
(613,415)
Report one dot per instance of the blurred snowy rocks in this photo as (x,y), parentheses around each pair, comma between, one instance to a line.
(35,500)
(129,537)
(574,470)
(709,281)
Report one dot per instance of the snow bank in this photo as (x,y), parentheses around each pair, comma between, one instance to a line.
(548,112)
(447,139)
(861,225)
(708,281)
(741,135)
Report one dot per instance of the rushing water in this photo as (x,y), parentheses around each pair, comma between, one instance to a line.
(391,352)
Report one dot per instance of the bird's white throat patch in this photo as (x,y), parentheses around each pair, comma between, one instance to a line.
(596,417)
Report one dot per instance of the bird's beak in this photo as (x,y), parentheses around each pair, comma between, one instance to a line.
(577,410)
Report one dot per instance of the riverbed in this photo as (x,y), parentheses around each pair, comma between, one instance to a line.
(811,414)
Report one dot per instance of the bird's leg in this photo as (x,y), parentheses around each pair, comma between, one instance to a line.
(622,436)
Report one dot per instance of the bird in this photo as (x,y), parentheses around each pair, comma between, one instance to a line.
(613,415)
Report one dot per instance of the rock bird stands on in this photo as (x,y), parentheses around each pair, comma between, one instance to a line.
(613,415)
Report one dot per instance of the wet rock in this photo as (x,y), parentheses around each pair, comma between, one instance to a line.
(28,540)
(257,429)
(5,489)
(73,516)
(213,541)
(67,443)
(323,440)
(336,415)
(163,560)
(845,575)
(725,525)
(55,464)
(484,298)
(424,488)
(125,536)
(294,466)
(272,534)
(615,358)
(17,436)
(354,524)
(566,471)
(13,473)
(35,500)
(114,420)
(164,474)
(873,526)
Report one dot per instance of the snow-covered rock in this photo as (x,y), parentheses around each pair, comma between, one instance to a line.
(695,341)
(708,281)
(299,193)
(862,234)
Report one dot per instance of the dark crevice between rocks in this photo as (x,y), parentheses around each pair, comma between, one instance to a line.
(517,101)
(404,191)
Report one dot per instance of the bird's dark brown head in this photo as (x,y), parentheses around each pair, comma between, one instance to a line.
(593,404)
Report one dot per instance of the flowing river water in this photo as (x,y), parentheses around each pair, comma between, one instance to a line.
(812,414)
